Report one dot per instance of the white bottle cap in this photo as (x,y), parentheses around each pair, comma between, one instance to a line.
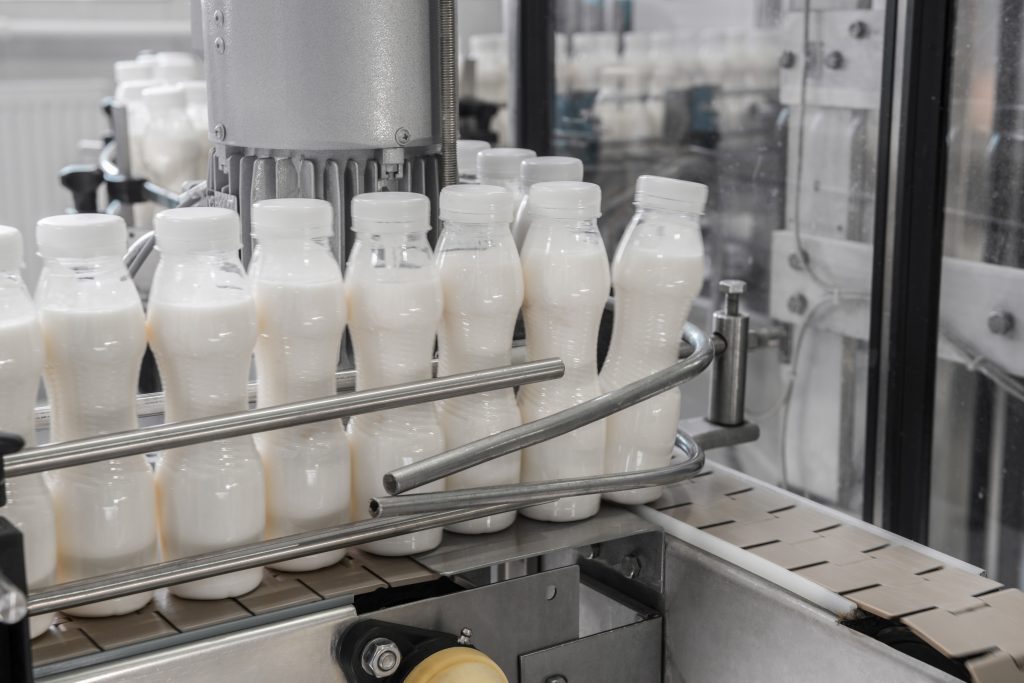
(390,212)
(292,217)
(476,204)
(465,153)
(130,92)
(655,192)
(195,92)
(501,162)
(131,70)
(81,235)
(164,98)
(197,229)
(549,169)
(11,250)
(174,67)
(565,199)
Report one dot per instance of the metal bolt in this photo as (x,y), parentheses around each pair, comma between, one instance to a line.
(858,29)
(795,262)
(220,132)
(787,60)
(381,657)
(732,290)
(218,18)
(631,566)
(464,637)
(797,304)
(402,136)
(834,60)
(1001,322)
(558,678)
(593,551)
(218,44)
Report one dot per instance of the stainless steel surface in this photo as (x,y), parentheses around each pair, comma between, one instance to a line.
(335,75)
(449,91)
(173,435)
(137,253)
(528,494)
(628,653)
(293,650)
(724,624)
(381,657)
(173,572)
(633,565)
(491,447)
(459,554)
(710,436)
(506,618)
(729,371)
(13,604)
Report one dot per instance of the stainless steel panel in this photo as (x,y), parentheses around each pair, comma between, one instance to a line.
(630,653)
(724,624)
(323,75)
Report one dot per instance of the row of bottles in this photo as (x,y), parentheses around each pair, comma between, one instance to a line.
(206,317)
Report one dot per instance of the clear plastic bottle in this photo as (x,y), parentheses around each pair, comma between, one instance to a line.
(591,52)
(394,303)
(565,268)
(94,338)
(620,106)
(131,70)
(541,170)
(169,151)
(174,67)
(657,272)
(195,108)
(466,151)
(500,166)
(300,304)
(202,329)
(29,507)
(483,290)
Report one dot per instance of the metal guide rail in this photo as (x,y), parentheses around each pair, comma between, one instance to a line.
(397,514)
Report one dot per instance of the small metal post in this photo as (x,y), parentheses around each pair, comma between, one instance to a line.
(729,371)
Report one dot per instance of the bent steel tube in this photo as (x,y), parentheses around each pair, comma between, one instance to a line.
(483,450)
(524,495)
(177,434)
(151,577)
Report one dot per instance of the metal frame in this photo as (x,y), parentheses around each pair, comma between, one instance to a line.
(531,38)
(905,314)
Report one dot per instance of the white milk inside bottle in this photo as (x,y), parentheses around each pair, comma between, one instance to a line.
(300,305)
(483,290)
(500,166)
(129,94)
(93,338)
(195,108)
(565,268)
(202,329)
(169,152)
(28,507)
(394,303)
(657,272)
(465,152)
(541,170)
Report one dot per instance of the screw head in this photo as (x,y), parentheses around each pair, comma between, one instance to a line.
(558,678)
(834,60)
(220,132)
(465,637)
(795,262)
(381,657)
(218,45)
(1001,322)
(858,29)
(402,136)
(218,18)
(797,304)
(787,60)
(631,566)
(733,287)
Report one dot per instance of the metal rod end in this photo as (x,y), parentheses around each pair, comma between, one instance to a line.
(390,486)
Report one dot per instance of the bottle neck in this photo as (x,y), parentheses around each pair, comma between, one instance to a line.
(669,215)
(87,266)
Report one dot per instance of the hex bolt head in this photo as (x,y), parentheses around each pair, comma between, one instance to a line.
(787,60)
(218,45)
(858,29)
(220,132)
(834,60)
(732,287)
(797,304)
(218,18)
(381,657)
(1001,322)
(465,637)
(402,136)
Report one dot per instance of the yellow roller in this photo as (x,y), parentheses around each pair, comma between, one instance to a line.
(457,665)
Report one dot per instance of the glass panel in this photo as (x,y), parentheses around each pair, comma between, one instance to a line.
(774,105)
(977,508)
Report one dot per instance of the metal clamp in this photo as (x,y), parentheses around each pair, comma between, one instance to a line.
(729,372)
